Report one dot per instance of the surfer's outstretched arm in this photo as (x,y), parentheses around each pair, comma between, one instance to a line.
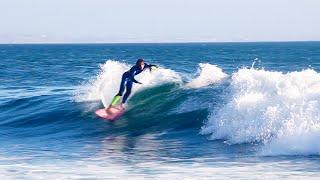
(150,66)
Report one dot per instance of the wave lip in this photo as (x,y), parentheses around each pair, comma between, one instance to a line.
(208,74)
(281,110)
(106,84)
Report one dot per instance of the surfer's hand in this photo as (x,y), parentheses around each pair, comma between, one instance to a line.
(153,67)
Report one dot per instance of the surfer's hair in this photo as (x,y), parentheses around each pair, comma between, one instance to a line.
(139,61)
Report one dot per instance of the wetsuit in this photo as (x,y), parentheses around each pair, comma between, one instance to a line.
(128,79)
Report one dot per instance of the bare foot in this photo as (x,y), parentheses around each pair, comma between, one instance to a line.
(108,109)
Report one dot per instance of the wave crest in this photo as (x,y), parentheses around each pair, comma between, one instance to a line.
(106,84)
(208,74)
(279,109)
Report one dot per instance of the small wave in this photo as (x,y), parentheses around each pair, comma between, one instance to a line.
(281,110)
(208,74)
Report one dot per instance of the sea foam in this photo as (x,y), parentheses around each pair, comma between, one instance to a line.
(106,84)
(208,74)
(280,110)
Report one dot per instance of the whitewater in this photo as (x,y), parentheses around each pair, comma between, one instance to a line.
(280,110)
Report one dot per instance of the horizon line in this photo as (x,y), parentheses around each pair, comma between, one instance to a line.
(164,42)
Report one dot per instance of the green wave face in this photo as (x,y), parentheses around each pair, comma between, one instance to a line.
(160,109)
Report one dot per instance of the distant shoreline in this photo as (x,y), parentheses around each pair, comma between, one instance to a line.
(141,43)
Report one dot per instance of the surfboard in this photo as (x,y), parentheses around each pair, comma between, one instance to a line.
(111,114)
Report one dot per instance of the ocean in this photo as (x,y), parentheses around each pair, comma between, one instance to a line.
(210,111)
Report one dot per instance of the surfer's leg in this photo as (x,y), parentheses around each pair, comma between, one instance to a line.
(128,91)
(117,97)
(122,86)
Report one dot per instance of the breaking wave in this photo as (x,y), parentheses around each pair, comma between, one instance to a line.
(280,110)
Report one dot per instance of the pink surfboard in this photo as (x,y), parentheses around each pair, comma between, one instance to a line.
(111,114)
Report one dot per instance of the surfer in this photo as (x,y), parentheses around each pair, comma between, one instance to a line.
(127,80)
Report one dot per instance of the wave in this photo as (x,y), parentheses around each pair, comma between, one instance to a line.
(208,74)
(106,85)
(161,102)
(279,110)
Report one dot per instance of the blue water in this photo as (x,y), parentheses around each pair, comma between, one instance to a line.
(48,127)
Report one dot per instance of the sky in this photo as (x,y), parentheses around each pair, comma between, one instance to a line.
(113,21)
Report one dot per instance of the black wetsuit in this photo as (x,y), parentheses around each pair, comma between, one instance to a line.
(128,79)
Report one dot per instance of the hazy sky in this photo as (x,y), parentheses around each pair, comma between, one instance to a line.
(27,21)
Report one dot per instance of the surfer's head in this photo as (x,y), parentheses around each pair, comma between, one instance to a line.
(140,63)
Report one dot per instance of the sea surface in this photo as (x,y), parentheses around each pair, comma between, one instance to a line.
(210,111)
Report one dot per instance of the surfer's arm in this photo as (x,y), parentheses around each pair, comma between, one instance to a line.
(150,66)
(134,80)
(132,74)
